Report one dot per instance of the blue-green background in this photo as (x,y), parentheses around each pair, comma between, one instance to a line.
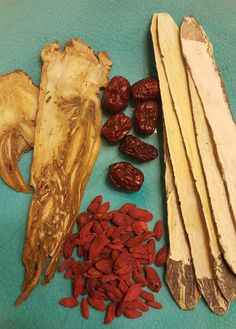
(121,28)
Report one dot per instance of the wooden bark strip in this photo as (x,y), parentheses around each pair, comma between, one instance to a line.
(67,143)
(199,57)
(18,108)
(215,185)
(189,204)
(176,74)
(180,275)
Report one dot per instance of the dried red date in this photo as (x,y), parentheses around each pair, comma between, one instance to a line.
(116,95)
(116,127)
(146,115)
(125,176)
(137,149)
(145,89)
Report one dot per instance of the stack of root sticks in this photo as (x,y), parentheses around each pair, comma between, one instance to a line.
(200,160)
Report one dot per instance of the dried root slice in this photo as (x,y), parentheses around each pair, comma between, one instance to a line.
(215,185)
(18,107)
(189,203)
(180,275)
(199,57)
(178,83)
(67,143)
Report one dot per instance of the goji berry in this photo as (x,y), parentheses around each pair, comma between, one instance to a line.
(154,304)
(158,230)
(97,304)
(110,314)
(94,205)
(84,308)
(69,302)
(161,256)
(132,314)
(66,264)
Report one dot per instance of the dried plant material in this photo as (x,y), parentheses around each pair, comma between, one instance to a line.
(180,275)
(199,57)
(178,83)
(18,107)
(188,198)
(215,185)
(67,143)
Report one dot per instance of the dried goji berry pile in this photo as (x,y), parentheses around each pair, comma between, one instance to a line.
(115,251)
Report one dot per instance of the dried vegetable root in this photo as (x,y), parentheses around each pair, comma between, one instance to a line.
(18,108)
(67,142)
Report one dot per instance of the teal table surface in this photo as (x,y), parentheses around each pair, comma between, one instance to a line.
(121,28)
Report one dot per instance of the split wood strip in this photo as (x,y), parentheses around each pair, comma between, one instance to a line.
(198,53)
(189,204)
(170,48)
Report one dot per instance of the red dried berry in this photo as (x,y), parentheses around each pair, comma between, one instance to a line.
(146,115)
(145,89)
(78,286)
(69,302)
(148,296)
(161,256)
(125,176)
(82,219)
(116,127)
(111,312)
(97,304)
(84,308)
(135,148)
(66,264)
(116,95)
(68,248)
(154,304)
(94,205)
(158,230)
(104,266)
(104,208)
(154,282)
(132,314)
(133,292)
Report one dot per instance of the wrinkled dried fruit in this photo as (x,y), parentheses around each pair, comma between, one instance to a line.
(114,253)
(116,95)
(95,205)
(154,282)
(148,296)
(135,148)
(132,314)
(116,127)
(158,230)
(84,308)
(146,115)
(145,89)
(125,176)
(161,256)
(69,302)
(66,264)
(97,304)
(154,304)
(111,312)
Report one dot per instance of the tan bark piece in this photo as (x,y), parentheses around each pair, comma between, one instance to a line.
(67,143)
(189,202)
(215,185)
(170,48)
(199,56)
(18,107)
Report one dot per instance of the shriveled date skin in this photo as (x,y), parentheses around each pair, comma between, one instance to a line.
(67,143)
(18,107)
